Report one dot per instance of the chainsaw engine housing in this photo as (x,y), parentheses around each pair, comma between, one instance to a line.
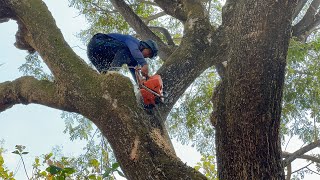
(154,83)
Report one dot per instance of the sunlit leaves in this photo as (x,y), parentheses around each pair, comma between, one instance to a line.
(302,90)
(189,119)
(77,126)
(207,165)
(35,67)
(4,172)
(114,168)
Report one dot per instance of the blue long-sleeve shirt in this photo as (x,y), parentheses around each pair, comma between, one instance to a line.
(133,45)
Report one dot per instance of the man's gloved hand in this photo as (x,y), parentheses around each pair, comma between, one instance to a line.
(145,70)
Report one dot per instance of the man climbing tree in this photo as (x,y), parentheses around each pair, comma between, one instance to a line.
(106,51)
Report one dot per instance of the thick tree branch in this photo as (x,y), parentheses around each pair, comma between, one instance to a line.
(140,27)
(300,152)
(26,90)
(304,156)
(182,68)
(166,34)
(5,14)
(299,7)
(309,21)
(174,8)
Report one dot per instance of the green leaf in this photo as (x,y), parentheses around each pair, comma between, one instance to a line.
(53,169)
(20,148)
(16,152)
(94,163)
(115,165)
(69,170)
(120,173)
(43,173)
(92,176)
(107,173)
(25,152)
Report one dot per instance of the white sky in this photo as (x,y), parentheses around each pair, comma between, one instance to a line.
(40,128)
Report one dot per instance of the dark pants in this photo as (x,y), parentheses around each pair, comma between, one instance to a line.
(105,52)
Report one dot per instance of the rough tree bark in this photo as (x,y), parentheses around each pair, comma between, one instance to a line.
(247,118)
(253,39)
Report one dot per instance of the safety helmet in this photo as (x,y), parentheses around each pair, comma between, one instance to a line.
(150,44)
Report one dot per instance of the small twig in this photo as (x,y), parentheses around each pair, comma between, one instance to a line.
(17,168)
(82,168)
(313,171)
(301,168)
(301,151)
(24,166)
(288,143)
(78,47)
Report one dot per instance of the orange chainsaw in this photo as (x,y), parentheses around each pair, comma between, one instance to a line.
(151,89)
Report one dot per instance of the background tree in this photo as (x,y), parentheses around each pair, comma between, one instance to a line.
(253,39)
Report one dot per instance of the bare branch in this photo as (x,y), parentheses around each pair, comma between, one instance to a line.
(175,9)
(306,157)
(289,172)
(301,168)
(299,7)
(309,21)
(155,16)
(312,171)
(147,2)
(301,152)
(166,34)
(26,90)
(98,8)
(140,27)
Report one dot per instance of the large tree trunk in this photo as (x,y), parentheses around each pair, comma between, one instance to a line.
(249,98)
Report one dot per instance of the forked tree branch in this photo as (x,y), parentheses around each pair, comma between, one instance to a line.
(299,153)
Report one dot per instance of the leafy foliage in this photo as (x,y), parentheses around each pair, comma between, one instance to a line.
(301,100)
(208,166)
(77,126)
(54,166)
(4,172)
(189,120)
(34,66)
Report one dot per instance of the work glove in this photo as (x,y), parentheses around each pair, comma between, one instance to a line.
(145,71)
